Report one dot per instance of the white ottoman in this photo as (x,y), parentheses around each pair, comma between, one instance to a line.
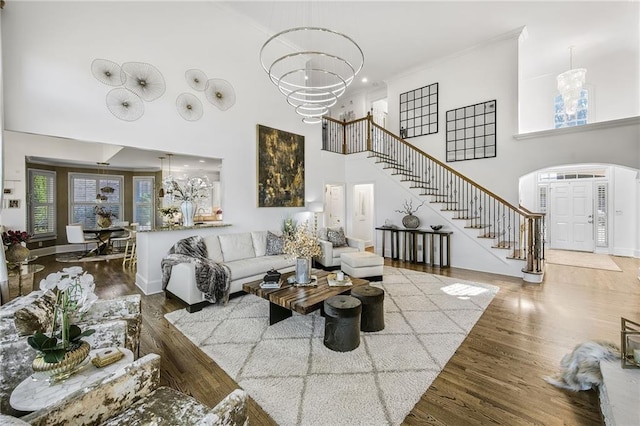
(362,264)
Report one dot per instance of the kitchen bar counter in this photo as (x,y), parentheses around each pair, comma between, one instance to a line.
(152,244)
(198,225)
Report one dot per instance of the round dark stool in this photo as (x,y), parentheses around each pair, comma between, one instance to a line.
(342,323)
(372,298)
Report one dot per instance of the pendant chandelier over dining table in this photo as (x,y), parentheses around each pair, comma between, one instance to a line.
(312,67)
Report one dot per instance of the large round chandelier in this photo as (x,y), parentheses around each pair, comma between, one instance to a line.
(312,67)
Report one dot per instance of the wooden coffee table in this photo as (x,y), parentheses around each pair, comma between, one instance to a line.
(303,300)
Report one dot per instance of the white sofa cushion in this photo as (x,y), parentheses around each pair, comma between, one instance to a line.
(259,242)
(338,251)
(236,246)
(213,248)
(257,266)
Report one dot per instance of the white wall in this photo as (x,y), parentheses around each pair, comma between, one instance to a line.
(610,80)
(50,90)
(625,214)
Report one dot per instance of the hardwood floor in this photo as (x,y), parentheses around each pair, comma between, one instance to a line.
(494,377)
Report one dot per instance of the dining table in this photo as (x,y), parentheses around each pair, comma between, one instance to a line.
(103,235)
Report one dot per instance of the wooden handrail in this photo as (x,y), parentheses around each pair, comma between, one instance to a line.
(369,118)
(514,226)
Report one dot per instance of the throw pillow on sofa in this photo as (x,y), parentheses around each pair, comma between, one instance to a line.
(337,237)
(275,244)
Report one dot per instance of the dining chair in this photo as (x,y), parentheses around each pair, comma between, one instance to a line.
(75,235)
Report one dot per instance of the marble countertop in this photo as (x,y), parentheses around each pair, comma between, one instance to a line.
(180,228)
(34,393)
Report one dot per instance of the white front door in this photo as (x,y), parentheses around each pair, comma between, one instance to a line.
(571,215)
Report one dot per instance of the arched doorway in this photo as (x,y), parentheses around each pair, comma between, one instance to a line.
(588,207)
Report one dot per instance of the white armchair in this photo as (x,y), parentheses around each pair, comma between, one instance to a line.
(330,257)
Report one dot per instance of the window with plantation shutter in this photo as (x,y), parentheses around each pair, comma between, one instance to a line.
(41,206)
(144,200)
(87,191)
(601,215)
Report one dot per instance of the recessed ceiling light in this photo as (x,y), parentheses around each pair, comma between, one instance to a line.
(202,161)
(186,165)
(365,79)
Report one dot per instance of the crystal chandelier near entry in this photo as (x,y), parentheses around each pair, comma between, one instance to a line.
(570,85)
(312,67)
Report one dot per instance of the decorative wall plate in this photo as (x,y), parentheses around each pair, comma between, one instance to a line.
(144,80)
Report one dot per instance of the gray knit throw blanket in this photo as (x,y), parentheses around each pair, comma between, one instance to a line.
(213,279)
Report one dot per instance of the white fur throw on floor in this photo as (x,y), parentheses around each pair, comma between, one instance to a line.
(580,370)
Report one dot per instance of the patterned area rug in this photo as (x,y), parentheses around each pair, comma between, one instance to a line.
(289,372)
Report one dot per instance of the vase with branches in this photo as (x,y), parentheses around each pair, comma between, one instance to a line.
(302,244)
(410,220)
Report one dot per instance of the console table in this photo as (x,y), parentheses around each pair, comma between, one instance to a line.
(404,245)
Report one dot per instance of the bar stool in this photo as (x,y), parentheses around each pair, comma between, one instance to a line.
(130,251)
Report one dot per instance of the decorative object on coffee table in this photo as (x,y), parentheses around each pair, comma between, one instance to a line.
(63,349)
(303,245)
(410,220)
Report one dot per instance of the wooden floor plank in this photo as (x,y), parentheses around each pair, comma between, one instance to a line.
(495,376)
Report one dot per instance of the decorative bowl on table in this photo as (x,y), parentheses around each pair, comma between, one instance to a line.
(436,227)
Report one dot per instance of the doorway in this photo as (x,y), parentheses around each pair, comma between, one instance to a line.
(334,205)
(571,215)
(379,111)
(363,213)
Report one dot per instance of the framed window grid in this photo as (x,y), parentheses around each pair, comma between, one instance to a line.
(419,111)
(471,132)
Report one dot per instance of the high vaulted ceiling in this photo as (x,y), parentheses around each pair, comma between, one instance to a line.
(397,36)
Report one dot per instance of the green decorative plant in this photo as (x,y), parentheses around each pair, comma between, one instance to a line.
(75,292)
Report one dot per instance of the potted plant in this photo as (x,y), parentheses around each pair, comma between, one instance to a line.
(62,350)
(104,216)
(16,245)
(409,220)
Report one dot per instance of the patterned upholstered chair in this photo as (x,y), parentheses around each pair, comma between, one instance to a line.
(117,323)
(132,396)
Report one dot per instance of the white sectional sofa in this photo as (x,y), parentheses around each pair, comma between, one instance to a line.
(244,253)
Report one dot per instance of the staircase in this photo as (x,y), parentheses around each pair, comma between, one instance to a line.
(515,231)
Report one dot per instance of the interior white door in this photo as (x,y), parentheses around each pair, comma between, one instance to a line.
(571,215)
(363,213)
(334,202)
